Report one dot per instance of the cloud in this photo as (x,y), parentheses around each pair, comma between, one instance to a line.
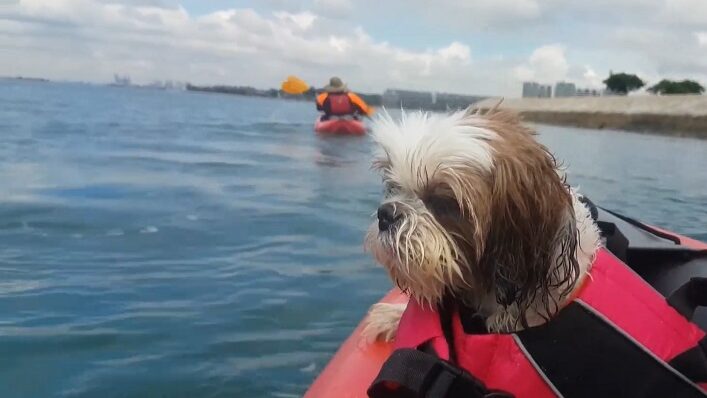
(236,46)
(701,38)
(302,20)
(144,3)
(686,12)
(479,14)
(478,47)
(456,51)
(333,8)
(661,53)
(446,68)
(590,78)
(546,64)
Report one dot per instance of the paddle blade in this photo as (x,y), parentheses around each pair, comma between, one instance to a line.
(294,86)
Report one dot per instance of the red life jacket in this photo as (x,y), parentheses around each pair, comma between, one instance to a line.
(615,312)
(340,104)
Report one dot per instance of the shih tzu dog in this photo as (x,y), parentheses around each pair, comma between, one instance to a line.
(478,211)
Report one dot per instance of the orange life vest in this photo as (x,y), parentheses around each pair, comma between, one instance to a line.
(342,104)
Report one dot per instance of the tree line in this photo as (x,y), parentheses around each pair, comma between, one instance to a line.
(623,83)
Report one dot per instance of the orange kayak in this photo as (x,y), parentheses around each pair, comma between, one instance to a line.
(357,362)
(340,126)
(355,365)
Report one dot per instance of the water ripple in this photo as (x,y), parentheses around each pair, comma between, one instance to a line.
(191,245)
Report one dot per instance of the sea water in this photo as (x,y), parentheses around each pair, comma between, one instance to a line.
(179,244)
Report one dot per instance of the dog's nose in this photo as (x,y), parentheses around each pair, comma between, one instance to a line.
(386,216)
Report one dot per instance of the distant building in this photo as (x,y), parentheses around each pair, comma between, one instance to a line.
(447,101)
(536,90)
(408,99)
(586,92)
(564,89)
(121,80)
(167,85)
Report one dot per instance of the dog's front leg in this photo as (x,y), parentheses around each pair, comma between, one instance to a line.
(382,322)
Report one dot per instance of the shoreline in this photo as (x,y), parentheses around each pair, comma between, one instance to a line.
(671,115)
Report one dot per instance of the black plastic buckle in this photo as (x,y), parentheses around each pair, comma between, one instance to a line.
(450,381)
(697,291)
(442,380)
(410,373)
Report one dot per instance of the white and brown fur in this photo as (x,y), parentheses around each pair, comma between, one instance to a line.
(484,217)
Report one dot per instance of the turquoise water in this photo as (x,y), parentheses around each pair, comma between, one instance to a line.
(175,244)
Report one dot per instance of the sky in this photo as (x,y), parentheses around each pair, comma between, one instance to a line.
(482,47)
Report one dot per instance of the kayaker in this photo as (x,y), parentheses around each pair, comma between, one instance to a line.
(337,100)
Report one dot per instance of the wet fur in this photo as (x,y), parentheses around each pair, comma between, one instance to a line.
(486,218)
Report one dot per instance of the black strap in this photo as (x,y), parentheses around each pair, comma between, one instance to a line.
(616,241)
(590,205)
(446,311)
(585,356)
(645,227)
(693,362)
(689,296)
(410,373)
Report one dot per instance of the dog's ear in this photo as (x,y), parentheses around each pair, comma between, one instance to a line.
(496,107)
(474,110)
(531,238)
(471,110)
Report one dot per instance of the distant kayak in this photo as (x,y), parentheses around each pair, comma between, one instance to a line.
(340,126)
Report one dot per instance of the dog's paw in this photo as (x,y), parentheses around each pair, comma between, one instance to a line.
(382,322)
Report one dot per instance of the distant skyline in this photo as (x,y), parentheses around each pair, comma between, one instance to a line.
(483,47)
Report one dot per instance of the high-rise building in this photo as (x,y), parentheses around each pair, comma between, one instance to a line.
(536,90)
(564,89)
(586,92)
(408,99)
(121,80)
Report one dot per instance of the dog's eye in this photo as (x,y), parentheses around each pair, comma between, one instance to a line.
(443,206)
(390,188)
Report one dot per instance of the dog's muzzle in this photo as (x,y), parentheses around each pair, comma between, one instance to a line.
(387,216)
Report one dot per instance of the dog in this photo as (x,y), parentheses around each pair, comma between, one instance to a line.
(476,210)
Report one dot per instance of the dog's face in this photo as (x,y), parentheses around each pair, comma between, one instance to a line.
(473,207)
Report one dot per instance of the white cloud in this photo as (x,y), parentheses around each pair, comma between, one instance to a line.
(701,38)
(302,20)
(239,46)
(333,8)
(455,51)
(590,78)
(481,46)
(341,45)
(660,53)
(686,11)
(479,14)
(546,64)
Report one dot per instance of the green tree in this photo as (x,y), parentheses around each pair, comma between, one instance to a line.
(674,87)
(622,83)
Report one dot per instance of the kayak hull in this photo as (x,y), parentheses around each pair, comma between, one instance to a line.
(357,362)
(340,126)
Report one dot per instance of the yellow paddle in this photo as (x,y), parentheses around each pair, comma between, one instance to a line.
(294,85)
